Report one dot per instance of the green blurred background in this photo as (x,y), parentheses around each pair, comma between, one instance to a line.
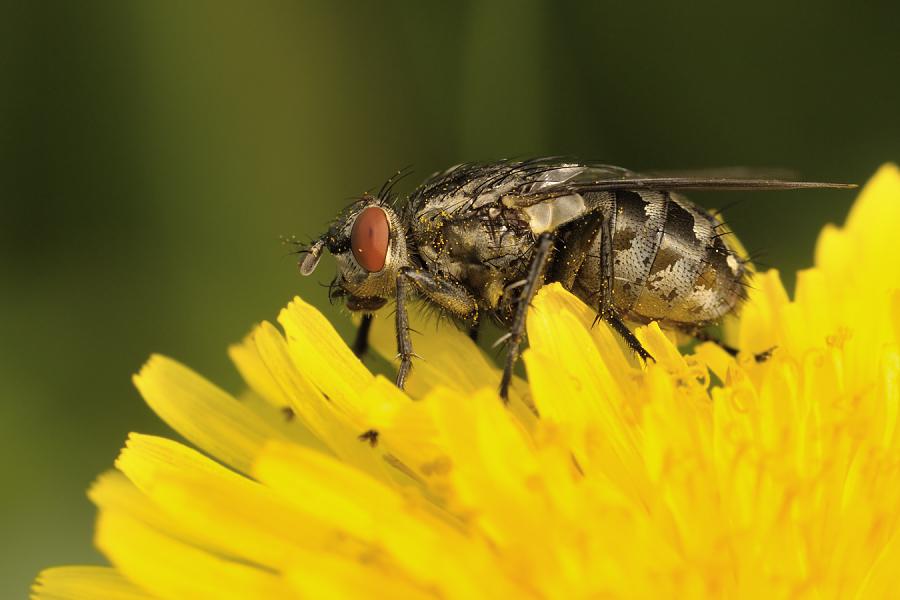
(152,153)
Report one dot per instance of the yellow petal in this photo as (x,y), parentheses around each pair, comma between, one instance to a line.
(392,531)
(76,583)
(320,575)
(254,372)
(168,568)
(332,367)
(203,413)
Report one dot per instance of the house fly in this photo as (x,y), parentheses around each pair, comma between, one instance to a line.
(478,240)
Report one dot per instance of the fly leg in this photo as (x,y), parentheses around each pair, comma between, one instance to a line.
(361,343)
(447,294)
(572,248)
(517,331)
(631,340)
(584,264)
(607,311)
(404,342)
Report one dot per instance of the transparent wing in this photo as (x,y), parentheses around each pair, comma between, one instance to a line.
(552,180)
(692,183)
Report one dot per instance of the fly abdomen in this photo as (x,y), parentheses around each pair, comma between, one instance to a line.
(637,225)
(673,267)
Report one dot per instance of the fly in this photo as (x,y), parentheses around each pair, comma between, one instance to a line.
(478,240)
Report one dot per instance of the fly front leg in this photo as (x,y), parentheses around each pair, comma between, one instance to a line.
(361,343)
(517,331)
(404,342)
(447,294)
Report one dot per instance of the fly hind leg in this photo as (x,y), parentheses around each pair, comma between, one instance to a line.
(607,311)
(616,322)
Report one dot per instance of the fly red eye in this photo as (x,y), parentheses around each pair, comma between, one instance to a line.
(369,239)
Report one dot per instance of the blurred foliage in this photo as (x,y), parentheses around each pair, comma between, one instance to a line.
(152,153)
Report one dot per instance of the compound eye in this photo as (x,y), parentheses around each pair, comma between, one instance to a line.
(369,239)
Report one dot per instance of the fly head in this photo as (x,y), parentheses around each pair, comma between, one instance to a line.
(368,244)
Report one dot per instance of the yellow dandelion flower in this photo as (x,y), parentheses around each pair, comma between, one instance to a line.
(782,482)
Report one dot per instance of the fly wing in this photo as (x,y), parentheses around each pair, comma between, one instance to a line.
(671,184)
(611,178)
(553,194)
(558,180)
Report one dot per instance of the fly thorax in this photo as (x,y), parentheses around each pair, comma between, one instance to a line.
(470,253)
